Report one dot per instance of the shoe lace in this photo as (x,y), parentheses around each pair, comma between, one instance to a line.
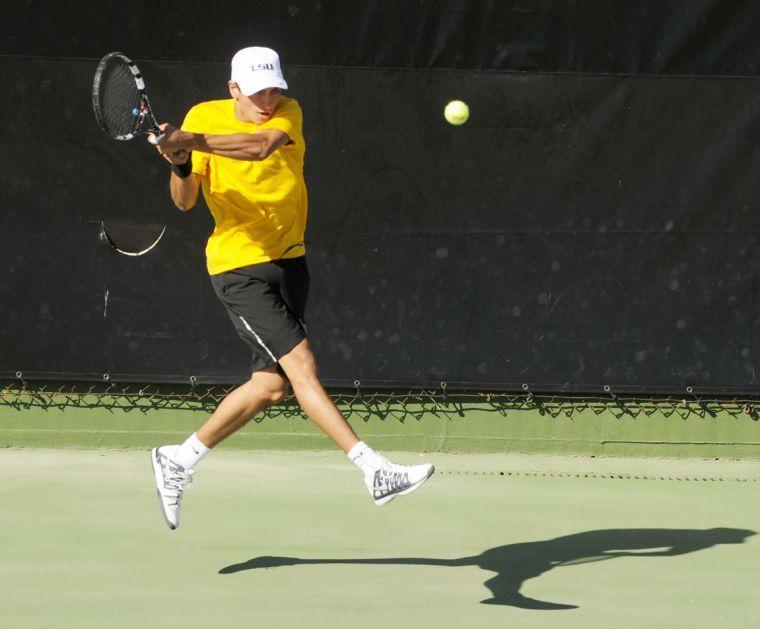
(176,480)
(390,480)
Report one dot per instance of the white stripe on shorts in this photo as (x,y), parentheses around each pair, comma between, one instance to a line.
(258,338)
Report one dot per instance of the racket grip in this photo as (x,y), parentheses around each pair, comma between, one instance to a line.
(155,138)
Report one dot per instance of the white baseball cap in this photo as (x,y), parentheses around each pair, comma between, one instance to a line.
(257,68)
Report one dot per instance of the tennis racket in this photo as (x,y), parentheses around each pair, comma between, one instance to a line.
(121,105)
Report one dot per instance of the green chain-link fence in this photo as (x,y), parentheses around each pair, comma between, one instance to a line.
(362,404)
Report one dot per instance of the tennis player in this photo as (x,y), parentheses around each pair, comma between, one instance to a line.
(246,154)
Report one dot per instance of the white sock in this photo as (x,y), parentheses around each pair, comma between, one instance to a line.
(365,458)
(190,453)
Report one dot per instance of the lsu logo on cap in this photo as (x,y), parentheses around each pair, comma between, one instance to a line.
(262,66)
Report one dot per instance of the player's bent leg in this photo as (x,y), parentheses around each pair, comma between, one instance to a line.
(266,387)
(172,464)
(384,479)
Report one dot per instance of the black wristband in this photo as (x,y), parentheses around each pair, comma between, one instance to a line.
(183,170)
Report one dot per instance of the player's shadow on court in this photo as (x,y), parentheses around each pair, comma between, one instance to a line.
(516,563)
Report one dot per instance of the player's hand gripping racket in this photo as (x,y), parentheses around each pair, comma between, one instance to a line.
(121,105)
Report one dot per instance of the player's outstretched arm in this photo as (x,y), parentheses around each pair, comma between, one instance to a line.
(255,146)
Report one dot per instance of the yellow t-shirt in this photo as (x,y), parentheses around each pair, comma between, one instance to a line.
(259,208)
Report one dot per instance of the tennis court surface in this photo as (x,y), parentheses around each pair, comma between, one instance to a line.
(293,540)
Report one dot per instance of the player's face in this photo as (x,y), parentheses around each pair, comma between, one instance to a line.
(257,107)
(266,101)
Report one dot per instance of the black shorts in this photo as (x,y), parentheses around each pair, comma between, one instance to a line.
(266,303)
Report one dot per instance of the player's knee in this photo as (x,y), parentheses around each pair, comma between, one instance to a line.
(304,367)
(268,386)
(278,393)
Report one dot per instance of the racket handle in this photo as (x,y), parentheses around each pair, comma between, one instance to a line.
(155,139)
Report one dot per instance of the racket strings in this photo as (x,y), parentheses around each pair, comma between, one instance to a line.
(120,100)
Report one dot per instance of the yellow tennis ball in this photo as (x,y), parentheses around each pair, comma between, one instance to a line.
(456,112)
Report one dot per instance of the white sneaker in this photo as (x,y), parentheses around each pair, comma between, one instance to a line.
(392,480)
(171,480)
